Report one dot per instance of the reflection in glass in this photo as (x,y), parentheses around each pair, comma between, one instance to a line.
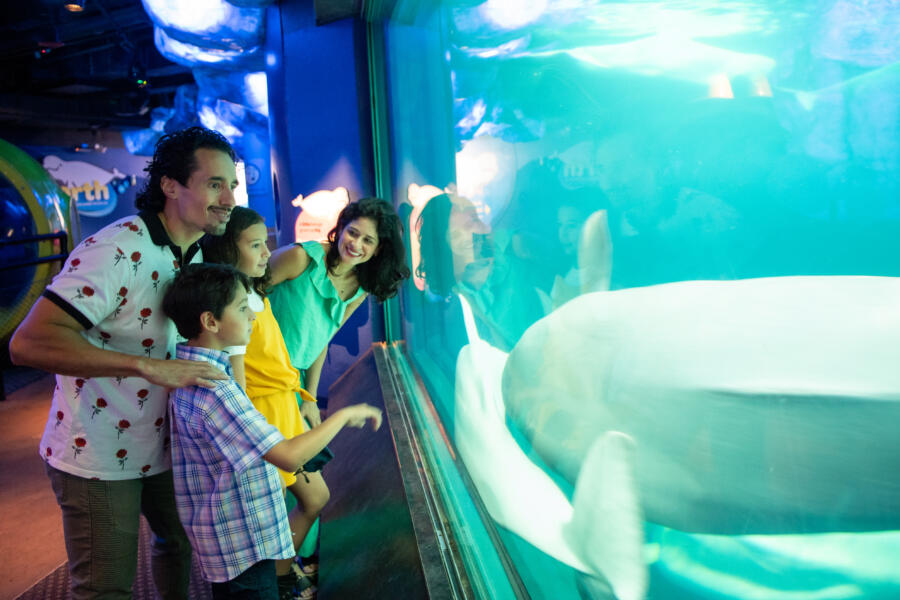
(658,262)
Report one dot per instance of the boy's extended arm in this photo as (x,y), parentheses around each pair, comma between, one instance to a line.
(290,455)
(50,339)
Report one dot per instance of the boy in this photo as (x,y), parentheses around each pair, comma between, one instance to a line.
(227,491)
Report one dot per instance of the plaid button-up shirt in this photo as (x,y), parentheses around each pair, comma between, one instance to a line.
(229,498)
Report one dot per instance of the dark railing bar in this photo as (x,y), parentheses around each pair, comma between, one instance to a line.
(60,235)
(36,261)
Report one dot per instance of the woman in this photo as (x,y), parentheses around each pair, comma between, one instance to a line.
(364,255)
(323,283)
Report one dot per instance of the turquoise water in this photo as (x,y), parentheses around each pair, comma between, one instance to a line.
(592,146)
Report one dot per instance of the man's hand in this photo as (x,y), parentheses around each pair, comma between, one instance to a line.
(310,412)
(358,414)
(180,373)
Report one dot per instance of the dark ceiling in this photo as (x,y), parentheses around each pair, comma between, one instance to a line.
(81,71)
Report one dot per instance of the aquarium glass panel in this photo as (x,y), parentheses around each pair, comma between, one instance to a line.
(656,287)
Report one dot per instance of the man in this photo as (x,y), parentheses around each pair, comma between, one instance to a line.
(100,327)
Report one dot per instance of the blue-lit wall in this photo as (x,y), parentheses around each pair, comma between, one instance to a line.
(320,131)
(318,102)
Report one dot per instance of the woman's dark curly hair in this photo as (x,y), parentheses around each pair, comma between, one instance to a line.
(224,248)
(174,158)
(382,275)
(435,259)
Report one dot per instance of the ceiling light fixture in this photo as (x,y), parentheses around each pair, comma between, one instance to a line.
(74,5)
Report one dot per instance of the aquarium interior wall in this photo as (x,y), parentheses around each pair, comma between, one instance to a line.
(654,246)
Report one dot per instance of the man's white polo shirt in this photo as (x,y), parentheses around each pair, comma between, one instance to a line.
(115,427)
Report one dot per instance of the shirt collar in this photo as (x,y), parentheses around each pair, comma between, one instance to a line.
(217,358)
(160,237)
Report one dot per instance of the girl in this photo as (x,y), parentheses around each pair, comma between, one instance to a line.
(321,284)
(264,370)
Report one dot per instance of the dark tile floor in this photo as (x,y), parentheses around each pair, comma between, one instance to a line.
(31,544)
(32,552)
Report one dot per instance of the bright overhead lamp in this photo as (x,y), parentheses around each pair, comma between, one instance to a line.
(74,5)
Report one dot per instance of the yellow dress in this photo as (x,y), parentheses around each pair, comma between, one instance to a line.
(272,383)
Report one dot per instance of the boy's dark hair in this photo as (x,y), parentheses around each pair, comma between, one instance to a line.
(199,288)
(383,274)
(224,248)
(174,158)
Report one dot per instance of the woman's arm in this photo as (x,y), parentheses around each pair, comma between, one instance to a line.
(314,371)
(288,262)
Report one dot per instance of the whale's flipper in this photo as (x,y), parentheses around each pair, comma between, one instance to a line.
(607,526)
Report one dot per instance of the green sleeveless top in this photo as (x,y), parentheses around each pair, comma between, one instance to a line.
(309,309)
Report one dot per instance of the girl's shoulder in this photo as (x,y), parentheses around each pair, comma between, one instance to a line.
(256,302)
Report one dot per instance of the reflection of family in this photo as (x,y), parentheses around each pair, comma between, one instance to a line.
(715,407)
(101,325)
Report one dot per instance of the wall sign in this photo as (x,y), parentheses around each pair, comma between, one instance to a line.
(94,190)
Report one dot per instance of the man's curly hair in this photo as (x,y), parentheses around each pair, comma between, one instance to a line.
(174,157)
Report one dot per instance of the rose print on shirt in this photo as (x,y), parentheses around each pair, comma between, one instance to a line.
(90,241)
(175,267)
(59,417)
(121,426)
(73,265)
(134,228)
(122,455)
(118,256)
(98,407)
(155,277)
(145,315)
(86,291)
(79,383)
(144,470)
(119,307)
(78,446)
(142,397)
(148,346)
(104,339)
(49,451)
(159,423)
(123,291)
(135,260)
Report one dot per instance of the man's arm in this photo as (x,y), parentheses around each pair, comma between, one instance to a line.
(50,339)
(290,455)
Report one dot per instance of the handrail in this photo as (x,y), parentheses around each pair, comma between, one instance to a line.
(62,236)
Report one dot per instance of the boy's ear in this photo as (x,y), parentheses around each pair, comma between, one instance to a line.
(209,322)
